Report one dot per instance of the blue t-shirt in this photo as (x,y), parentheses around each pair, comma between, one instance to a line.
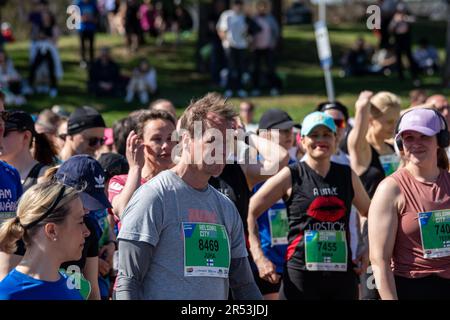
(19,286)
(90,9)
(275,253)
(10,191)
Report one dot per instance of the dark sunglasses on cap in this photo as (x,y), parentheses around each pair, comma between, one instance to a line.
(94,141)
(340,123)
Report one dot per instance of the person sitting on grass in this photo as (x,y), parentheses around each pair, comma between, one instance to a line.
(142,82)
(104,76)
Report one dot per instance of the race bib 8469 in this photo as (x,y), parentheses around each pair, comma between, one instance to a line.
(206,250)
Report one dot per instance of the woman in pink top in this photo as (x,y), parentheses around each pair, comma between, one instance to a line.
(409,218)
(148,153)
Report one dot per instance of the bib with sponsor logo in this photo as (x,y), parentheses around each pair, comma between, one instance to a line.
(206,250)
(390,163)
(325,250)
(279,226)
(435,233)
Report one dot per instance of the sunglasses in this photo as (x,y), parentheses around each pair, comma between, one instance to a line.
(340,123)
(96,141)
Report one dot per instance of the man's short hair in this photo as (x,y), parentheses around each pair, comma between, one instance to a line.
(198,110)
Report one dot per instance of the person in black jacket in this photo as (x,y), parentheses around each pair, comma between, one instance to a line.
(104,76)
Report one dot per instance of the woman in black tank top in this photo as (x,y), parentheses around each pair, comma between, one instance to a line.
(375,119)
(318,195)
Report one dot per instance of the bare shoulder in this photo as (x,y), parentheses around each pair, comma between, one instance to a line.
(388,194)
(389,184)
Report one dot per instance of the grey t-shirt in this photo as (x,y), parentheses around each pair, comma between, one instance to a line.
(155,215)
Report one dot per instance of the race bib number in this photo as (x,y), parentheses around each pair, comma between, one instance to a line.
(435,233)
(279,226)
(390,163)
(325,250)
(206,250)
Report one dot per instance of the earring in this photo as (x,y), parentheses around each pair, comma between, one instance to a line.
(54,239)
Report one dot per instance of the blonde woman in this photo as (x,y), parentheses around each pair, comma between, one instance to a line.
(50,221)
(371,158)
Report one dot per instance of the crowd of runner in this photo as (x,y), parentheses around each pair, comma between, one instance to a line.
(213,206)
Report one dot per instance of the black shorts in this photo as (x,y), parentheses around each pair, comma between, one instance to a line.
(318,285)
(265,286)
(427,288)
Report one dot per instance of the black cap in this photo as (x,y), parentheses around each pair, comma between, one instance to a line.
(322,107)
(84,118)
(113,164)
(276,119)
(19,120)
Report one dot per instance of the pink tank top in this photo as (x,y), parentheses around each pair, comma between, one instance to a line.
(408,256)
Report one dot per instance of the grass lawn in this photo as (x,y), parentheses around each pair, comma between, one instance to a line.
(179,81)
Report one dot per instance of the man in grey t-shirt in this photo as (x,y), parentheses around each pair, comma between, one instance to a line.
(180,238)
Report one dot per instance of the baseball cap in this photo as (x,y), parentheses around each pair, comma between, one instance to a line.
(85,173)
(276,119)
(19,120)
(336,105)
(84,118)
(113,164)
(315,119)
(425,121)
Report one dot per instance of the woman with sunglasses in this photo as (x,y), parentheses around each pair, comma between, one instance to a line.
(318,194)
(149,151)
(371,156)
(339,113)
(50,220)
(26,150)
(409,219)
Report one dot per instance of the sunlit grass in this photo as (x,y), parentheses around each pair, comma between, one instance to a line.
(179,80)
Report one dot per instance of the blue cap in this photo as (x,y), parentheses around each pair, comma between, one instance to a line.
(86,174)
(315,119)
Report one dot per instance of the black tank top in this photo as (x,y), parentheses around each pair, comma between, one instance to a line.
(320,204)
(374,174)
(233,184)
